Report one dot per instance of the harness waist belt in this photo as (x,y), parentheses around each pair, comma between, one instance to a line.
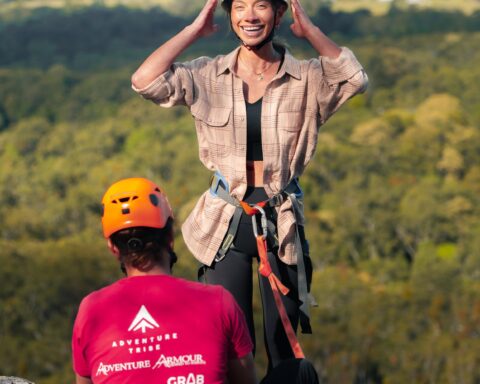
(219,188)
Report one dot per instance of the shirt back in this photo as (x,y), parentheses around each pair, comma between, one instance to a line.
(158,329)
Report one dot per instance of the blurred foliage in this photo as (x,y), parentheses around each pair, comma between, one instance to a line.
(392,196)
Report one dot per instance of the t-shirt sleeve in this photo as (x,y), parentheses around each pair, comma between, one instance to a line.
(80,364)
(236,330)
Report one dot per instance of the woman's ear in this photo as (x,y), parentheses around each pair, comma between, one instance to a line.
(113,249)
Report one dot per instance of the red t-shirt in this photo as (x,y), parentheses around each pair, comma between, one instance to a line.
(158,329)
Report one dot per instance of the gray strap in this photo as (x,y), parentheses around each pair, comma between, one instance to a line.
(232,231)
(302,276)
(219,189)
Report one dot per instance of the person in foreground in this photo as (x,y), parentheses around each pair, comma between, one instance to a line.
(150,327)
(257,113)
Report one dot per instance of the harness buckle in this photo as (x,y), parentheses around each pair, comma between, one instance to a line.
(217,182)
(276,200)
(297,190)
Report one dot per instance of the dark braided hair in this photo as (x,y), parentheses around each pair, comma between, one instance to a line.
(144,247)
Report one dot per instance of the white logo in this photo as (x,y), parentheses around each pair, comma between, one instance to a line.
(179,361)
(143,320)
(106,369)
(190,379)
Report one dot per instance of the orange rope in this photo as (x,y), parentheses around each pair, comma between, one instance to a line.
(277,287)
(249,210)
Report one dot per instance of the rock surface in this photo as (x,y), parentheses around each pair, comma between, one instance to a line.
(13,380)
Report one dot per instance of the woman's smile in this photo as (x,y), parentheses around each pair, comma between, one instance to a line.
(253,31)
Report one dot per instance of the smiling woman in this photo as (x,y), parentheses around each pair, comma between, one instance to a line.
(257,112)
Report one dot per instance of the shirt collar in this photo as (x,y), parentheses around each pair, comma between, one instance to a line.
(228,62)
(290,65)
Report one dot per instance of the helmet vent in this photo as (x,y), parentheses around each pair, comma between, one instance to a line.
(124,199)
(153,199)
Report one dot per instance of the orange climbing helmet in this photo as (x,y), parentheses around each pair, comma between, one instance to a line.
(134,202)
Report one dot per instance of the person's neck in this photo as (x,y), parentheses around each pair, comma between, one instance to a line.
(156,270)
(259,58)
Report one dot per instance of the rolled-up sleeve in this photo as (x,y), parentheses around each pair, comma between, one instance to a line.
(176,86)
(342,78)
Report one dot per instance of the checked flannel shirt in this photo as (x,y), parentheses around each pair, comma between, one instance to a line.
(299,99)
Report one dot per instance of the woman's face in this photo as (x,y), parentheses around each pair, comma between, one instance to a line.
(252,20)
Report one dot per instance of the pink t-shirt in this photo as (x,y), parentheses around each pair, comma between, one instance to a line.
(158,329)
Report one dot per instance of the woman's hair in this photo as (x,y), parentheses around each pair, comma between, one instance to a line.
(143,247)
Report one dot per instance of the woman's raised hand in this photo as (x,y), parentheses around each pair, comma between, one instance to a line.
(302,25)
(203,25)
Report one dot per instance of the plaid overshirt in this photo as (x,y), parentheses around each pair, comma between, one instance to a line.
(299,99)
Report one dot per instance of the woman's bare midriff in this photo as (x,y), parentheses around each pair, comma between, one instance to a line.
(255,173)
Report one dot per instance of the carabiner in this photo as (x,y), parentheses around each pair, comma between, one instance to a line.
(263,221)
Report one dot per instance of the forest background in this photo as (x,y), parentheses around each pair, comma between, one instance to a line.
(392,195)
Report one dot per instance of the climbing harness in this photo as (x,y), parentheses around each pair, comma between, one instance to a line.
(219,188)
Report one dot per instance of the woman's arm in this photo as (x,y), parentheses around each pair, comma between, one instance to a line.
(303,27)
(242,370)
(164,56)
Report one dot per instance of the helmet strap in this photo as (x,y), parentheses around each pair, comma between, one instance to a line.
(173,257)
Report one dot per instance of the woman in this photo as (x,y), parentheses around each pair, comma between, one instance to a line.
(257,113)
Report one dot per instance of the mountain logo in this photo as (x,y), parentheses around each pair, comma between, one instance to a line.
(143,320)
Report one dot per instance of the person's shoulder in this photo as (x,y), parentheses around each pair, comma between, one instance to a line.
(214,65)
(212,293)
(97,297)
(207,62)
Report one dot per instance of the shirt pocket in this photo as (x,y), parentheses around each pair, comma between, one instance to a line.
(214,132)
(209,116)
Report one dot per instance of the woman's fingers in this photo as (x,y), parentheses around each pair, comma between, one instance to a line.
(208,10)
(209,6)
(204,21)
(297,11)
(296,26)
(298,6)
(301,22)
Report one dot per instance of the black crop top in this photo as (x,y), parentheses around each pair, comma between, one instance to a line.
(254,130)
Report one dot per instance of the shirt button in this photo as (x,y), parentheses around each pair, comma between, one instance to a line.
(242,119)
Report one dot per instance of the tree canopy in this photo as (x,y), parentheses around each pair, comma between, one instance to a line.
(391,197)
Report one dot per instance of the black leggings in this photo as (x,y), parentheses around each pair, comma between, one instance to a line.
(234,273)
